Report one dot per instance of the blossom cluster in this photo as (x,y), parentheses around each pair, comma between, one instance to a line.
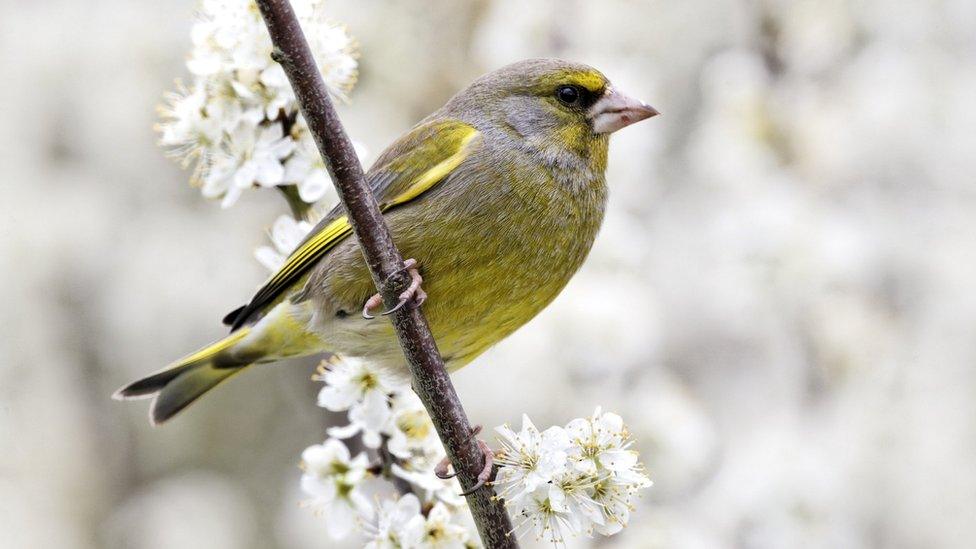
(566,481)
(384,411)
(391,423)
(238,121)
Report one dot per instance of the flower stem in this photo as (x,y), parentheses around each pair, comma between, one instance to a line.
(300,209)
(387,460)
(430,378)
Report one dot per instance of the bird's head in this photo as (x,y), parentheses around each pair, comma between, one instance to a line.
(551,104)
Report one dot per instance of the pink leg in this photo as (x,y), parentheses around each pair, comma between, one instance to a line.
(443,467)
(414,292)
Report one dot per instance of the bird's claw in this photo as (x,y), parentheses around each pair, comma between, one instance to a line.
(485,475)
(413,292)
(373,302)
(442,469)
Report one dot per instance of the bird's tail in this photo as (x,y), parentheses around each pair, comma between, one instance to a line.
(281,333)
(178,385)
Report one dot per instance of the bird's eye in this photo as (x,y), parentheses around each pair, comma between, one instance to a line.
(568,95)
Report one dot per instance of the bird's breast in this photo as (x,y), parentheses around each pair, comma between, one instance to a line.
(490,268)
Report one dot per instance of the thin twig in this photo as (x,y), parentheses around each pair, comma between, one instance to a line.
(300,209)
(430,378)
(387,459)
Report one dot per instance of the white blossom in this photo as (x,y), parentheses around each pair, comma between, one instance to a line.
(306,169)
(614,501)
(412,432)
(332,478)
(530,458)
(545,512)
(602,442)
(398,525)
(440,532)
(250,156)
(575,493)
(286,233)
(364,390)
(189,129)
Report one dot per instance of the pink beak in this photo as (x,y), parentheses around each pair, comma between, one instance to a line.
(616,110)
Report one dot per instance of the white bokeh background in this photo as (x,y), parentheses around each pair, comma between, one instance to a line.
(780,304)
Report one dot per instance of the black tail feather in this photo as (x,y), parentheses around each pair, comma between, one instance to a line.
(231,317)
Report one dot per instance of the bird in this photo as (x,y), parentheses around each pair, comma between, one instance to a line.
(496,198)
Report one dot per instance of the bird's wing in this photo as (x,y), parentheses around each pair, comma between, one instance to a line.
(414,164)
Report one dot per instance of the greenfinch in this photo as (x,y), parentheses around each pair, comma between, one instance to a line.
(499,195)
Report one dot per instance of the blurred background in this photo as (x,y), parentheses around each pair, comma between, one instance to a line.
(780,304)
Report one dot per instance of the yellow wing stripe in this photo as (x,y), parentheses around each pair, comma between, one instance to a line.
(440,170)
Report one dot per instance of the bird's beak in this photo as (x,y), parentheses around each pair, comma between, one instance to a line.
(617,110)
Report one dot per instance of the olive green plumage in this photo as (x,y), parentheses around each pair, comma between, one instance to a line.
(499,196)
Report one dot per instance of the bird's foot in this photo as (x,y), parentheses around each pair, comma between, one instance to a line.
(413,292)
(443,468)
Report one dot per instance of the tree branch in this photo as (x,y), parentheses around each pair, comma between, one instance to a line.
(430,378)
